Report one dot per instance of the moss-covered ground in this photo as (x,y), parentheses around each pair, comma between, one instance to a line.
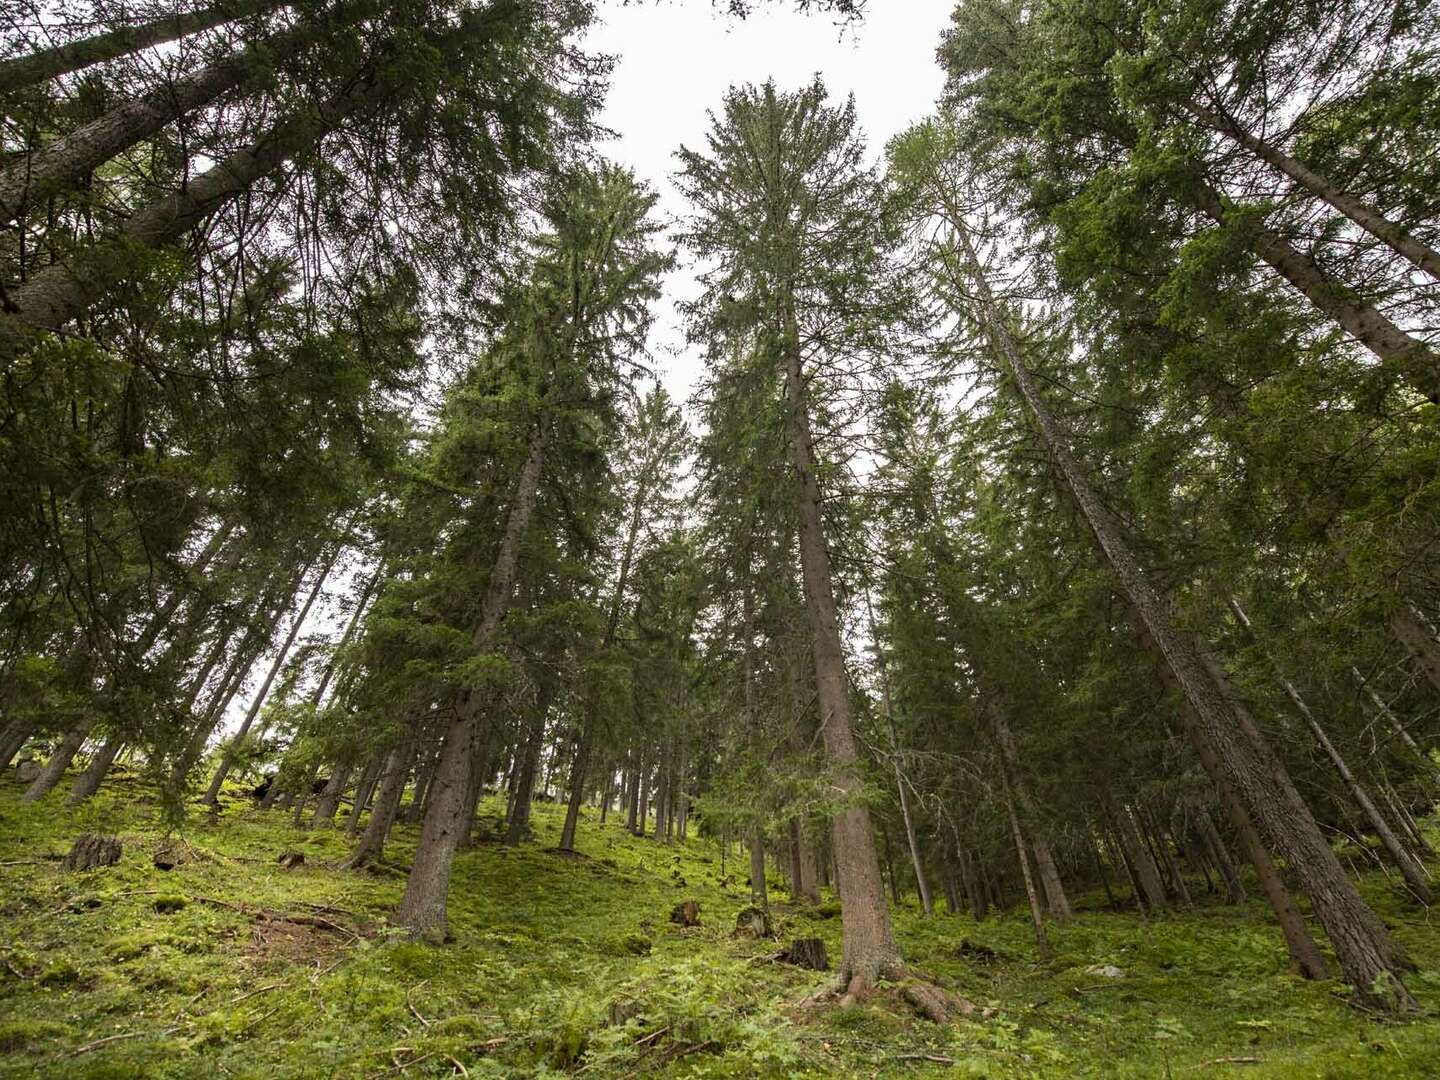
(229,966)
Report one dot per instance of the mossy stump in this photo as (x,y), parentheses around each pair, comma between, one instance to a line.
(92,850)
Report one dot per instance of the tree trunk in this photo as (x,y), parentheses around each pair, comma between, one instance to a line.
(52,297)
(1432,771)
(1037,920)
(869,949)
(1409,869)
(1416,637)
(1376,224)
(1049,874)
(519,822)
(1220,856)
(396,772)
(330,798)
(227,760)
(368,782)
(1360,939)
(1396,349)
(45,64)
(54,770)
(423,908)
(88,782)
(59,165)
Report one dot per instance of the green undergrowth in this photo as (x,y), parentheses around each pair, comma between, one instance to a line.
(229,966)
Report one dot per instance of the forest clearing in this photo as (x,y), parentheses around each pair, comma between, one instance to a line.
(586,538)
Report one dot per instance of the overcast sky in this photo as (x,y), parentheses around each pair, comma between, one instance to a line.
(676,58)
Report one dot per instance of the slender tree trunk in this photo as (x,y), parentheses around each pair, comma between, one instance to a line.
(1142,864)
(869,949)
(329,801)
(88,782)
(1431,769)
(1359,938)
(1376,224)
(525,783)
(59,165)
(423,908)
(1048,873)
(54,770)
(401,760)
(1413,874)
(45,64)
(1220,856)
(1037,919)
(227,759)
(368,782)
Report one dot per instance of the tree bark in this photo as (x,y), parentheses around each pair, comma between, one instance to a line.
(1049,874)
(371,847)
(1396,349)
(423,908)
(1037,919)
(869,949)
(1376,224)
(54,770)
(369,780)
(59,165)
(519,822)
(54,296)
(1416,637)
(45,64)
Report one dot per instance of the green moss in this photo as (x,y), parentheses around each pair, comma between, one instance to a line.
(18,1034)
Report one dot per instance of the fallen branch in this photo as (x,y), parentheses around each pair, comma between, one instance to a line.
(410,1003)
(1227,1061)
(108,1039)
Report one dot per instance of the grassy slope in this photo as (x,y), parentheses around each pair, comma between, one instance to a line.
(544,946)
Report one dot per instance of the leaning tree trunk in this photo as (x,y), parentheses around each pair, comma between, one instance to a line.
(1048,873)
(869,949)
(54,770)
(52,297)
(1358,936)
(519,823)
(1037,919)
(1432,771)
(227,760)
(423,908)
(1220,856)
(1411,871)
(371,846)
(88,782)
(1388,232)
(369,779)
(59,165)
(1395,348)
(45,64)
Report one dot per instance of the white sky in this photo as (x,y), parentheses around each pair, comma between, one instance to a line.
(676,60)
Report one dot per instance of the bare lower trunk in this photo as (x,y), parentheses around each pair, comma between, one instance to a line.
(330,798)
(1220,856)
(519,823)
(869,949)
(423,908)
(368,782)
(1037,920)
(394,776)
(88,782)
(578,768)
(54,770)
(1416,637)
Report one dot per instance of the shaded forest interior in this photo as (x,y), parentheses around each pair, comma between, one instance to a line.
(1017,655)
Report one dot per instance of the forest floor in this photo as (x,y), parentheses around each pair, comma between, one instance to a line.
(229,966)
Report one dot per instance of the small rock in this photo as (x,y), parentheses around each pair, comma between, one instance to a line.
(169,855)
(686,914)
(289,860)
(27,770)
(92,850)
(807,953)
(1105,971)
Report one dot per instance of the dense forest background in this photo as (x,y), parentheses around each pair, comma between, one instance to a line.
(1037,598)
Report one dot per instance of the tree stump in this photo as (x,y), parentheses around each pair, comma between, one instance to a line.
(686,914)
(92,850)
(753,922)
(807,953)
(289,860)
(169,855)
(26,771)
